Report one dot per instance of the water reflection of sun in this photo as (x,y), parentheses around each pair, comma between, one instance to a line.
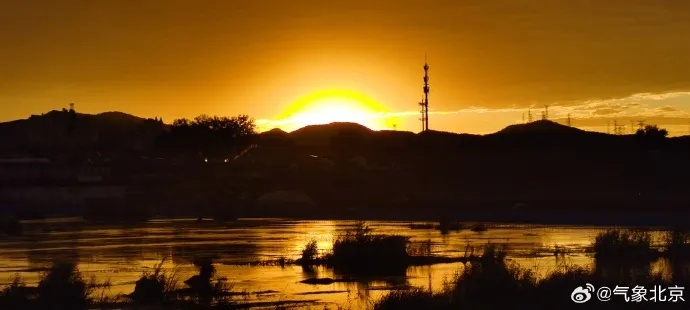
(323,232)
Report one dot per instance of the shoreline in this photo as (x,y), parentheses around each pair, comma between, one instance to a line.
(619,219)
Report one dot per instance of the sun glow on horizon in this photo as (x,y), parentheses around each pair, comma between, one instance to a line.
(329,106)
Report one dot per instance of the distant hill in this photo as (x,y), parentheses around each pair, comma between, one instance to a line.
(122,131)
(275,132)
(322,134)
(548,134)
(540,127)
(534,136)
(64,129)
(118,118)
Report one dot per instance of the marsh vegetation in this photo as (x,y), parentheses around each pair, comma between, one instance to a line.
(493,282)
(230,279)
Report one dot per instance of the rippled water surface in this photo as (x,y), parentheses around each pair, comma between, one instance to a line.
(121,253)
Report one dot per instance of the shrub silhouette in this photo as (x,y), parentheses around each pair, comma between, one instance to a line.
(479,282)
(491,283)
(412,299)
(62,287)
(310,251)
(200,285)
(16,295)
(361,251)
(154,287)
(614,244)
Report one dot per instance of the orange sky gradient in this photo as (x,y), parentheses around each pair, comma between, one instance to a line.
(599,61)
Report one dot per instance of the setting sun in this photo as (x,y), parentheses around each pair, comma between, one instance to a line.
(330,106)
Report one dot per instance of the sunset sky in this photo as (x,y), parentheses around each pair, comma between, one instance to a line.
(290,63)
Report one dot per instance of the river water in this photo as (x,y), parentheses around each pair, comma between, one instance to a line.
(121,253)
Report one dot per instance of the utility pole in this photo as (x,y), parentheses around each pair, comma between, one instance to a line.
(546,112)
(569,124)
(615,127)
(529,115)
(618,129)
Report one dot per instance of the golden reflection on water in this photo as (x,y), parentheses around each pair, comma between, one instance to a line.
(121,254)
(323,232)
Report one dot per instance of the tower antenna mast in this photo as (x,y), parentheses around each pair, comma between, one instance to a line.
(425,100)
(424,114)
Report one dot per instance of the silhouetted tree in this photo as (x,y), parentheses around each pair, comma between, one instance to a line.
(211,135)
(652,131)
(651,135)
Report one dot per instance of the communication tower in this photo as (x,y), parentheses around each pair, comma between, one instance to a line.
(424,104)
(424,113)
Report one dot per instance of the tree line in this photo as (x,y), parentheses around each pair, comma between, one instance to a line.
(209,136)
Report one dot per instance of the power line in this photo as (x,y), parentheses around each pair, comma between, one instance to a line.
(618,129)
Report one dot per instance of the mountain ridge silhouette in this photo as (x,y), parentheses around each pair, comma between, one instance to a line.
(52,128)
